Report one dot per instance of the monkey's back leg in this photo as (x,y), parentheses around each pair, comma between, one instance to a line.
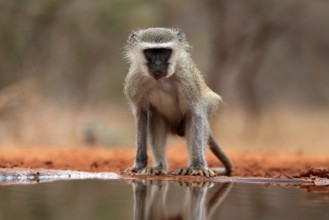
(157,134)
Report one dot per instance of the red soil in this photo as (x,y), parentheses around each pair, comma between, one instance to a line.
(247,164)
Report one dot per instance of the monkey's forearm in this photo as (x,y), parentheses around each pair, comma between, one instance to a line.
(197,132)
(141,128)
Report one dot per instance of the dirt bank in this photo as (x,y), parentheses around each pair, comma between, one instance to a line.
(247,164)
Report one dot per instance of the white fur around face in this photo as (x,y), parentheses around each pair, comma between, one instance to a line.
(146,45)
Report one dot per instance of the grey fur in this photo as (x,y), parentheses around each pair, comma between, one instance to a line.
(159,106)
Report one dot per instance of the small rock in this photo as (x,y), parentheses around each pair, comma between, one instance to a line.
(48,162)
(94,165)
(321,182)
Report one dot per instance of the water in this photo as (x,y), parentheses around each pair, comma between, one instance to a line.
(113,199)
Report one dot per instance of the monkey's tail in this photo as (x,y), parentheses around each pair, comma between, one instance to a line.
(220,154)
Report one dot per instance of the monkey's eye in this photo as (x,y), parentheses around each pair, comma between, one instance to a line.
(165,54)
(160,54)
(149,55)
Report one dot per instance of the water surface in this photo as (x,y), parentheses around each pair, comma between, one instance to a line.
(113,199)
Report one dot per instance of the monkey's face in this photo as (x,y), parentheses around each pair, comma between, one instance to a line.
(157,61)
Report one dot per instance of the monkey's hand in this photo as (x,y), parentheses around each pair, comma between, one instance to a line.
(148,170)
(194,172)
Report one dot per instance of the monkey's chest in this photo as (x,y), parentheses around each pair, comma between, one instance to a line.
(166,104)
(163,96)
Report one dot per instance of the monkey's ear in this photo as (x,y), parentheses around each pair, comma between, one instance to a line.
(181,36)
(132,38)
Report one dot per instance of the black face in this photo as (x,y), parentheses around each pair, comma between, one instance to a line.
(157,61)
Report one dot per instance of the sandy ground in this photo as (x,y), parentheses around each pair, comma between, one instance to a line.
(247,164)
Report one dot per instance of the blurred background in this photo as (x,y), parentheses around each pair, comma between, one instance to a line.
(62,70)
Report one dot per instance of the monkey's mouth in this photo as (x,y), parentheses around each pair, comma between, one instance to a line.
(158,74)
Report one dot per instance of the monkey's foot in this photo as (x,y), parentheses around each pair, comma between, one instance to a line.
(134,170)
(194,172)
(147,170)
(153,171)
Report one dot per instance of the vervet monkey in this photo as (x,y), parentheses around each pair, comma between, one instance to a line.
(167,93)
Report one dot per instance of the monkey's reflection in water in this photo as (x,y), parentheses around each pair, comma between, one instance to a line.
(178,200)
